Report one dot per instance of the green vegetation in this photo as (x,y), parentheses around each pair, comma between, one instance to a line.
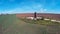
(41,22)
(13,25)
(7,20)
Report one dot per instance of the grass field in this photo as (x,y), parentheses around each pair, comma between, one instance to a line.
(10,24)
(41,22)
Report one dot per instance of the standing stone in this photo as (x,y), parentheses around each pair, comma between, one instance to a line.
(35,16)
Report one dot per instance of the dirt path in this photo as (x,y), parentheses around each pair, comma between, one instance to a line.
(1,29)
(19,23)
(20,27)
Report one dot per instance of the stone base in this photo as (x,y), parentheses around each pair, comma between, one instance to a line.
(35,18)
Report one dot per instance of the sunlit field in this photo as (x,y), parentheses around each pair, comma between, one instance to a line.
(13,25)
(41,22)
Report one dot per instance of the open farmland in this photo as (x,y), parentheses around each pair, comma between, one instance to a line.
(45,15)
(11,24)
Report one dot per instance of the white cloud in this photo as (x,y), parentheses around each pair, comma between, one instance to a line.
(43,10)
(39,6)
(16,10)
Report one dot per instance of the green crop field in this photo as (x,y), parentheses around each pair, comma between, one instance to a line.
(10,24)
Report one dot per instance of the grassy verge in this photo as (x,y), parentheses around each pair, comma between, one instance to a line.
(41,22)
(7,20)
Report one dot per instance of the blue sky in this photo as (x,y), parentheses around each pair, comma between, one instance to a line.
(29,6)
